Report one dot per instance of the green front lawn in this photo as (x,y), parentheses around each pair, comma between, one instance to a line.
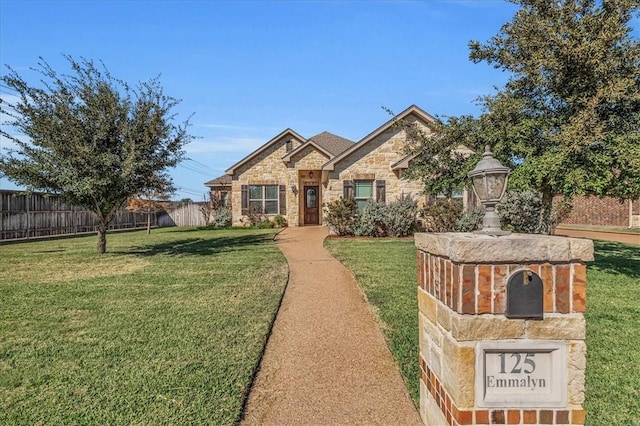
(386,270)
(613,335)
(166,328)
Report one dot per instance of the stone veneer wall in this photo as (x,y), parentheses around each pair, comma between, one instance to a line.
(373,162)
(309,159)
(462,298)
(267,168)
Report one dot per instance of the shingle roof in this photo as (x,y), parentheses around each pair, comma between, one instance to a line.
(332,143)
(220,180)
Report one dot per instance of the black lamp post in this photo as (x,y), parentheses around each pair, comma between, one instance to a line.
(489,179)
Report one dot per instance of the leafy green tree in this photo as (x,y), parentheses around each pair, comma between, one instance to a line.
(568,120)
(443,157)
(91,138)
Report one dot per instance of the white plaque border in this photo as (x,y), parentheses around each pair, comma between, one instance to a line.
(557,398)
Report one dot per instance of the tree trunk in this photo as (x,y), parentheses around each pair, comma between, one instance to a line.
(102,239)
(149,218)
(545,226)
(103,223)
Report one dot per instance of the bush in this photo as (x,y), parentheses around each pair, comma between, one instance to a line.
(341,216)
(371,221)
(279,221)
(256,219)
(396,219)
(401,217)
(263,223)
(470,220)
(442,215)
(221,217)
(521,212)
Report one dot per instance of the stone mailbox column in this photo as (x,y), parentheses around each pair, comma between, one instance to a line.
(479,364)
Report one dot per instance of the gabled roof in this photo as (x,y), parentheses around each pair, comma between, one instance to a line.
(325,142)
(264,147)
(333,143)
(413,109)
(223,180)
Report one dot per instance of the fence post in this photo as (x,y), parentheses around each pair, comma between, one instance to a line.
(26,198)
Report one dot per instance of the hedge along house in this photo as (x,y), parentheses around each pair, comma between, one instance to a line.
(293,176)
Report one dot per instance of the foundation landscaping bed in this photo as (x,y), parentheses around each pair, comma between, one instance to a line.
(166,328)
(386,271)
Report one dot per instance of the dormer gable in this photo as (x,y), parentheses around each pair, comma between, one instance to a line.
(327,143)
(284,137)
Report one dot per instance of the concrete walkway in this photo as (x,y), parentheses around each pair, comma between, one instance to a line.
(326,362)
(599,235)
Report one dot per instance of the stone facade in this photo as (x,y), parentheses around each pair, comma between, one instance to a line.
(462,289)
(267,168)
(373,162)
(380,156)
(326,161)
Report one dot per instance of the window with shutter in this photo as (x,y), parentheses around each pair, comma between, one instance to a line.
(381,191)
(265,199)
(456,195)
(363,190)
(347,192)
(245,199)
(283,199)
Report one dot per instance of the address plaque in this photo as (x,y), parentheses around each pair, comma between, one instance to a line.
(521,374)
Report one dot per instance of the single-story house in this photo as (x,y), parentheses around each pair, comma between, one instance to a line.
(295,176)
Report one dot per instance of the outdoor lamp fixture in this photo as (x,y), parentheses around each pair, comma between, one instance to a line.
(489,179)
(294,189)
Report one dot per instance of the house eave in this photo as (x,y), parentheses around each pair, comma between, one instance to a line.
(231,170)
(403,164)
(413,109)
(310,142)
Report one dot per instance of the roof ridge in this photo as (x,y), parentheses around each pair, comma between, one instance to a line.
(331,142)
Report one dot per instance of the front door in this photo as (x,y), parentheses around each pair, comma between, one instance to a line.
(311,205)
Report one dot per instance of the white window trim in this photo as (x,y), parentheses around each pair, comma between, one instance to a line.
(263,200)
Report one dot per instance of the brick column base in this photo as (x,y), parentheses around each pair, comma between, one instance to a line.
(462,291)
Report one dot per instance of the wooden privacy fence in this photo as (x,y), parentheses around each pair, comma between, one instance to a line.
(25,215)
(32,215)
(181,214)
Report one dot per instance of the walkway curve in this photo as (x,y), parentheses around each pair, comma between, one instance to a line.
(326,361)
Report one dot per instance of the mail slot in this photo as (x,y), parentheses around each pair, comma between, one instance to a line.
(524,296)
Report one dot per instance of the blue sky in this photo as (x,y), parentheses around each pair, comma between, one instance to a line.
(247,70)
